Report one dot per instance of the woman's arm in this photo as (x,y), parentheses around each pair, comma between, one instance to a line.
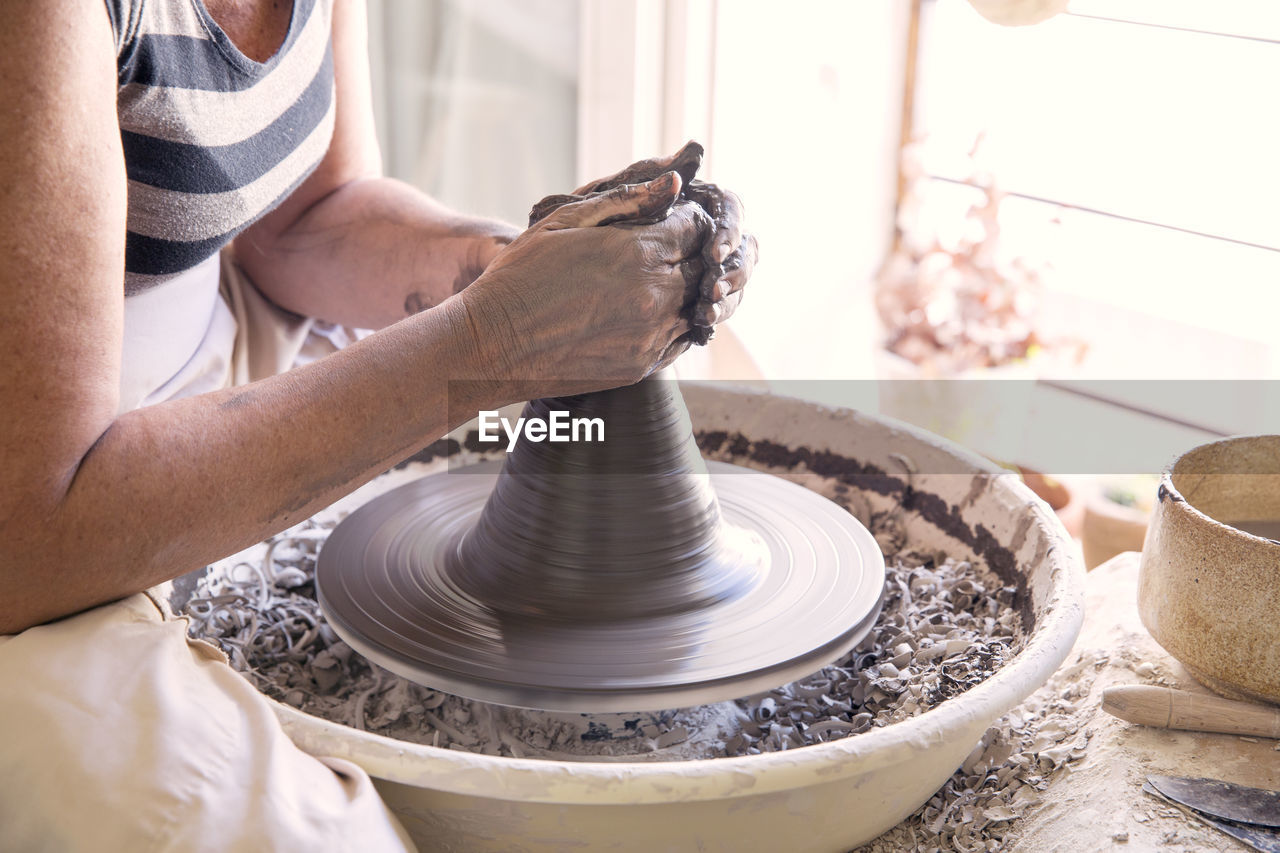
(351,246)
(93,506)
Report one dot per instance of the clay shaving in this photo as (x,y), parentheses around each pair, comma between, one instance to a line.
(1007,773)
(946,625)
(942,630)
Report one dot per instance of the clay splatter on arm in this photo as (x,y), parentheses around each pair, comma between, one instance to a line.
(414,303)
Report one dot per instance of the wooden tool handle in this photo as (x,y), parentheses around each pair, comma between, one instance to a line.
(1197,712)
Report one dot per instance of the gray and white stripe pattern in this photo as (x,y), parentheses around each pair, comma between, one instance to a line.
(212,140)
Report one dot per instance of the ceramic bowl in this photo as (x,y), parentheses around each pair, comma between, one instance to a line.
(1209,591)
(1109,528)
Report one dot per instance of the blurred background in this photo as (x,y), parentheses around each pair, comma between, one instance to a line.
(1079,219)
(491,104)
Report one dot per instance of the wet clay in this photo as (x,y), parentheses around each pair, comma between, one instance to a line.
(705,199)
(600,576)
(621,528)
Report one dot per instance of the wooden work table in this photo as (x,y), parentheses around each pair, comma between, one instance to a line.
(1099,805)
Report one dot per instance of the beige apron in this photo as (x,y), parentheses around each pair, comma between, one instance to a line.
(117,733)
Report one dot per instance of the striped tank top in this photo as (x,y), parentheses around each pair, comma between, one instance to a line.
(212,140)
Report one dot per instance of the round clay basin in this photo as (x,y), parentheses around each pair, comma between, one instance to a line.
(1209,592)
(826,797)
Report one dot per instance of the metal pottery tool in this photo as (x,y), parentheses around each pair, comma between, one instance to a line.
(1250,815)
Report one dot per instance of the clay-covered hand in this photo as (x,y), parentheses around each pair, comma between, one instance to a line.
(727,258)
(737,252)
(590,296)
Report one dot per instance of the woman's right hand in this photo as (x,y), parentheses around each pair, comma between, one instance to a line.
(586,299)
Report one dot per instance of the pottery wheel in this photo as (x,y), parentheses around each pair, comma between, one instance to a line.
(805,589)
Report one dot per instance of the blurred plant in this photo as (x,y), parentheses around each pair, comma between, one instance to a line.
(959,302)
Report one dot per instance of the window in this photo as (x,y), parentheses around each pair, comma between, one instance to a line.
(1134,138)
(477,100)
(1139,144)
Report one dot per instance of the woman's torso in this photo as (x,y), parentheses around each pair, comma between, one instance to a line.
(212,139)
